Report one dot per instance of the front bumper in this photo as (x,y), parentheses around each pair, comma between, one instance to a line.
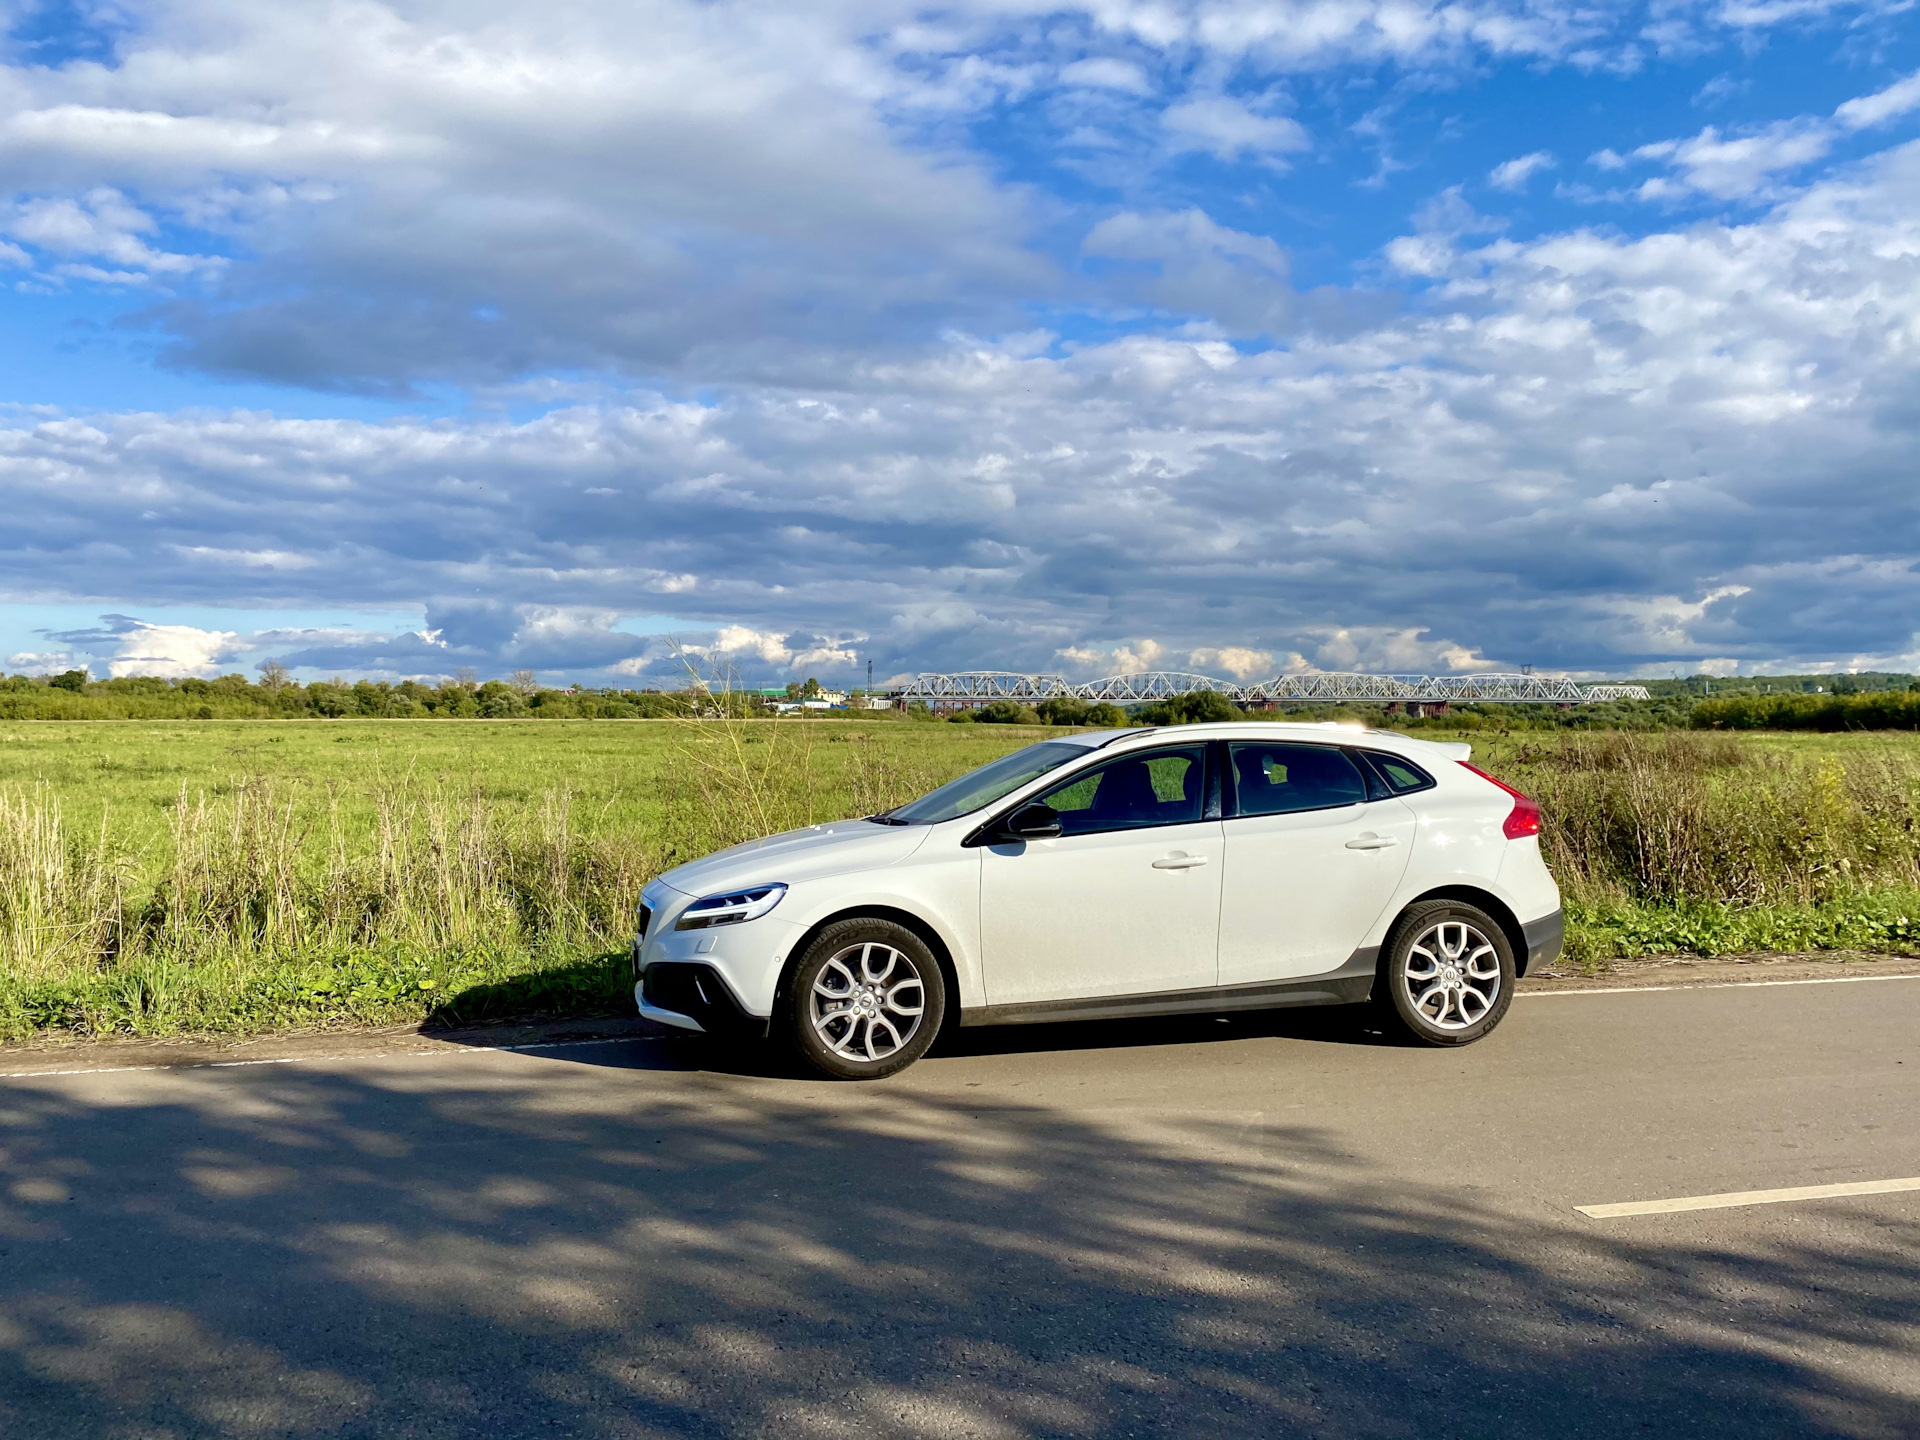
(1546,938)
(692,995)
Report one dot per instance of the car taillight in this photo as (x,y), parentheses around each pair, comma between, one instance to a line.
(1524,819)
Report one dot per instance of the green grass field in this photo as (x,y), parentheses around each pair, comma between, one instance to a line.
(160,877)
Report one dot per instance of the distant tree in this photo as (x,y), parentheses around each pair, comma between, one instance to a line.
(464,678)
(330,699)
(810,690)
(499,700)
(1004,712)
(372,699)
(1194,708)
(523,683)
(274,677)
(74,680)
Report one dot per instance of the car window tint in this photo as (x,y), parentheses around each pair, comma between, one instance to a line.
(1401,775)
(1163,788)
(1276,779)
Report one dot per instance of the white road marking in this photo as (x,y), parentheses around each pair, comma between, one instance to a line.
(1750,1197)
(315,1059)
(1710,985)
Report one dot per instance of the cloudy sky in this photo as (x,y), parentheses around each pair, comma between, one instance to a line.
(400,338)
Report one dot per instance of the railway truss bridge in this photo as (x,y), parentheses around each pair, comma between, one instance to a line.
(1415,694)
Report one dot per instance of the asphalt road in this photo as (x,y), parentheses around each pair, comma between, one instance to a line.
(1272,1226)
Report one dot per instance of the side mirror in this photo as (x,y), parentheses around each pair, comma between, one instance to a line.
(1032,822)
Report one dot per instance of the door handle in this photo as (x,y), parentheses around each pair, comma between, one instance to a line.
(1372,842)
(1179,862)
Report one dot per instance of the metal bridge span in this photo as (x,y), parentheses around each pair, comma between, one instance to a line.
(973,687)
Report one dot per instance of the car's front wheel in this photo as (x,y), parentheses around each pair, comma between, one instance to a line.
(866,1000)
(1448,974)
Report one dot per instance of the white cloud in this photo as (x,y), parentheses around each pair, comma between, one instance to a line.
(1235,660)
(1105,73)
(1744,165)
(39,662)
(1513,174)
(1199,267)
(1227,129)
(101,224)
(1130,657)
(734,643)
(130,646)
(1900,98)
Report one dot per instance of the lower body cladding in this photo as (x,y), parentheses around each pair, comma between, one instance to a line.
(694,995)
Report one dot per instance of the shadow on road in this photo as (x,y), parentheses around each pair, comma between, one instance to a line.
(518,1247)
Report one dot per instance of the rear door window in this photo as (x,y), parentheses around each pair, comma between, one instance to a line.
(1278,779)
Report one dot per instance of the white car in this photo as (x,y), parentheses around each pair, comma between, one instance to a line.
(1191,869)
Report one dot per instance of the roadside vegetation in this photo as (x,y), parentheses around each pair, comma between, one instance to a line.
(193,877)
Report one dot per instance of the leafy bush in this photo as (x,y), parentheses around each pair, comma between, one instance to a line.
(1867,710)
(1004,712)
(1071,710)
(1195,708)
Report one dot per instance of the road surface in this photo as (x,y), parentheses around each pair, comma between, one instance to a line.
(1270,1226)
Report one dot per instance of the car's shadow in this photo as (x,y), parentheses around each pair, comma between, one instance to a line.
(683,1051)
(1320,1024)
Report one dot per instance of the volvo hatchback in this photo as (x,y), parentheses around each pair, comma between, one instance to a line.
(1185,870)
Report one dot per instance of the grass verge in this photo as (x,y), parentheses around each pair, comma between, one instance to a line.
(151,888)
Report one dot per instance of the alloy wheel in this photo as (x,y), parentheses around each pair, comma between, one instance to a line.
(867,1002)
(1452,975)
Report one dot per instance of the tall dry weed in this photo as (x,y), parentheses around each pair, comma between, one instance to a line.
(62,899)
(1689,817)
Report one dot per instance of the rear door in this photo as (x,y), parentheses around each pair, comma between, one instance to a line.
(1126,901)
(1311,861)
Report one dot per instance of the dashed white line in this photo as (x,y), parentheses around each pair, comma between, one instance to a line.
(1735,1198)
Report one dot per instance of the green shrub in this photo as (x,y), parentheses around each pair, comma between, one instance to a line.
(1865,710)
(1195,708)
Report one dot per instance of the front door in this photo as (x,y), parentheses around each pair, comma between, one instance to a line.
(1126,901)
(1311,861)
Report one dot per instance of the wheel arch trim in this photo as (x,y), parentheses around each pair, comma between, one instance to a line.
(928,932)
(1480,898)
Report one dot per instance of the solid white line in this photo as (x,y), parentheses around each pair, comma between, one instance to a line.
(448,1049)
(1709,985)
(1750,1197)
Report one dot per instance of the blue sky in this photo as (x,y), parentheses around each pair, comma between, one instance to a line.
(400,339)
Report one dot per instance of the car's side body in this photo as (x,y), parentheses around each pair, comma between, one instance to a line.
(1224,909)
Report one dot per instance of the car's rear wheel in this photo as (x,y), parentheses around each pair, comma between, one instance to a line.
(866,1000)
(1448,975)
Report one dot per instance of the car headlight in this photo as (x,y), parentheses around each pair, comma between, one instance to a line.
(731,908)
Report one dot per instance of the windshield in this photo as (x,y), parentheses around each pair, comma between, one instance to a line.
(978,788)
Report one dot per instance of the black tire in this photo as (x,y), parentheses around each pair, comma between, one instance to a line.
(880,967)
(1437,991)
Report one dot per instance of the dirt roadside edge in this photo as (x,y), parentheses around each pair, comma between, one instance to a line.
(70,1054)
